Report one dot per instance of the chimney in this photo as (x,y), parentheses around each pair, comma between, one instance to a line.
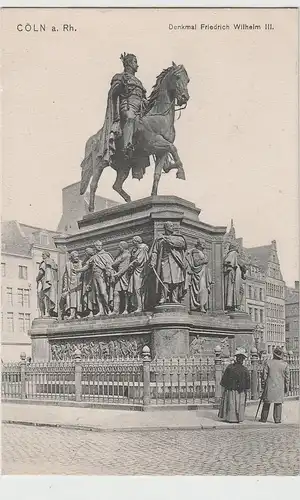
(297,285)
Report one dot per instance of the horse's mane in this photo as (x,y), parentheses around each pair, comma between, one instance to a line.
(153,96)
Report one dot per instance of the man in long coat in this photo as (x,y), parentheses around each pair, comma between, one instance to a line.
(137,269)
(72,287)
(120,279)
(275,380)
(89,302)
(200,277)
(100,265)
(234,275)
(167,261)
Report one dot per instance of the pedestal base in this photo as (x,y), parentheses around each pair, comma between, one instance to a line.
(170,331)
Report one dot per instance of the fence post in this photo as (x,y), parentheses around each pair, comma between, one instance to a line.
(254,373)
(146,375)
(23,375)
(218,374)
(78,369)
(290,385)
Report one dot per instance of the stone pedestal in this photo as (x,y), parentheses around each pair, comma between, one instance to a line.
(169,330)
(170,334)
(40,342)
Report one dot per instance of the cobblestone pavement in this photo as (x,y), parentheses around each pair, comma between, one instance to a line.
(37,450)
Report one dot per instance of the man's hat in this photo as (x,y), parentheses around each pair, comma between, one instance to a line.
(278,352)
(240,351)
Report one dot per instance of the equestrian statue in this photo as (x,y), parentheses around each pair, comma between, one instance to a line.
(136,128)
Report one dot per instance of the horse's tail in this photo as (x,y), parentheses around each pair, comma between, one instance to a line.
(86,173)
(87,162)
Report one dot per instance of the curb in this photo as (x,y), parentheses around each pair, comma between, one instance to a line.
(147,429)
(125,406)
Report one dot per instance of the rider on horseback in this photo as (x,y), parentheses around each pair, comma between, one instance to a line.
(129,100)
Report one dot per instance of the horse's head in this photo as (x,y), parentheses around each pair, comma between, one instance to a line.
(177,82)
(174,81)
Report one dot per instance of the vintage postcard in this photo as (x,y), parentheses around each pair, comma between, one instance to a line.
(149,249)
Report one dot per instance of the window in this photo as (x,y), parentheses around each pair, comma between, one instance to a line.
(10,321)
(261,315)
(260,294)
(44,239)
(3,269)
(23,297)
(26,298)
(20,296)
(250,292)
(9,295)
(255,315)
(250,312)
(23,275)
(21,322)
(27,322)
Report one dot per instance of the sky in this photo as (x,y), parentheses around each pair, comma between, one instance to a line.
(237,137)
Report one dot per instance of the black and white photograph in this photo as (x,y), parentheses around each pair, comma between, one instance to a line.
(149,242)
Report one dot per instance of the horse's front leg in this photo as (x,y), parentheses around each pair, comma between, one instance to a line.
(159,163)
(122,174)
(180,170)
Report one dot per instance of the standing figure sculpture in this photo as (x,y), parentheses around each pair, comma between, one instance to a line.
(47,281)
(135,129)
(100,265)
(200,277)
(167,262)
(234,276)
(120,279)
(71,302)
(137,270)
(89,303)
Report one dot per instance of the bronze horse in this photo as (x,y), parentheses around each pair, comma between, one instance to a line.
(154,135)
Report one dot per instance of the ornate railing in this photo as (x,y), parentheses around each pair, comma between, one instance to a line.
(191,381)
(187,380)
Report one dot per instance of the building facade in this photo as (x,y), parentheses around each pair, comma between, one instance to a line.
(274,294)
(21,254)
(75,206)
(292,319)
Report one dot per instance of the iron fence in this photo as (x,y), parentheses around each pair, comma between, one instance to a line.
(183,381)
(178,381)
(112,381)
(50,381)
(11,380)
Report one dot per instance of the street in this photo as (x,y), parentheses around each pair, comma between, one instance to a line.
(253,451)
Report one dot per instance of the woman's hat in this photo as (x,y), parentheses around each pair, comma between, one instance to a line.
(278,352)
(241,352)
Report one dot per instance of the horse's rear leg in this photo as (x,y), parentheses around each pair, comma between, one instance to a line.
(118,185)
(94,184)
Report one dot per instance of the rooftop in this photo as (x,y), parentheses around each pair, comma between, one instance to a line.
(19,239)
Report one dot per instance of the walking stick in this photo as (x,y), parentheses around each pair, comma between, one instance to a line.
(260,401)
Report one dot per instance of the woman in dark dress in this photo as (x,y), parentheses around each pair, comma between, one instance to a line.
(235,383)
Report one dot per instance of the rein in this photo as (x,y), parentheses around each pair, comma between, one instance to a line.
(167,110)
